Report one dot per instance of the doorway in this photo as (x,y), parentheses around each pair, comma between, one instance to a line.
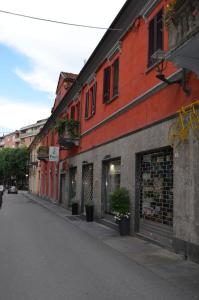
(112,175)
(72,185)
(62,189)
(155,194)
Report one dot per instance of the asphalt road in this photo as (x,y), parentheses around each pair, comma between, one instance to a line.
(44,257)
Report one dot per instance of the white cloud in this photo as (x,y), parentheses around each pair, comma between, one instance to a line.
(38,79)
(52,48)
(49,48)
(16,114)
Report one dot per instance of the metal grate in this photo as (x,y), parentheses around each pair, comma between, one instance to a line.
(72,184)
(156,187)
(87,181)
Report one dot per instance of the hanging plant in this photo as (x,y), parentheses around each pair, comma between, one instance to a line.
(60,126)
(72,126)
(169,16)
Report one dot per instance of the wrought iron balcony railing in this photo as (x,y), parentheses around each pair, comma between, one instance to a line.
(67,140)
(68,132)
(183,22)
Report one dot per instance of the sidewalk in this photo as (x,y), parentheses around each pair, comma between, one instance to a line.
(167,265)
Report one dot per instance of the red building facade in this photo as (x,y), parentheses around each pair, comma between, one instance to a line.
(125,113)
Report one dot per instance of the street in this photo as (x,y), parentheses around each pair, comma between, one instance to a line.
(46,257)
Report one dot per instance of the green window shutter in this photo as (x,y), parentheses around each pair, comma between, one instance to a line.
(116,77)
(106,90)
(94,96)
(87,105)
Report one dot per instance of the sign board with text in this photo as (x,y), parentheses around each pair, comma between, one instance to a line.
(54,154)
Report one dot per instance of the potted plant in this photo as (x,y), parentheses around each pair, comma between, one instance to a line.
(120,204)
(89,211)
(75,206)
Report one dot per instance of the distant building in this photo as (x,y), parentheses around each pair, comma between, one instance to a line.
(22,137)
(10,140)
(28,133)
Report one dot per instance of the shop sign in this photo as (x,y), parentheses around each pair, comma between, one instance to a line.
(54,154)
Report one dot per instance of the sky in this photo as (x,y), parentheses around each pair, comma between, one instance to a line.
(33,53)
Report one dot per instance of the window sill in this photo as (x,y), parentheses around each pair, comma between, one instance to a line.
(112,99)
(89,117)
(152,67)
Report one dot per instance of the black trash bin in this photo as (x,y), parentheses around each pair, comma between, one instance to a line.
(74,208)
(1,199)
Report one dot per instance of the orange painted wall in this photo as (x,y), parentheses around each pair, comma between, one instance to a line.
(161,105)
(134,80)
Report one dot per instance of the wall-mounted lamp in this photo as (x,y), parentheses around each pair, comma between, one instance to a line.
(84,162)
(112,168)
(161,64)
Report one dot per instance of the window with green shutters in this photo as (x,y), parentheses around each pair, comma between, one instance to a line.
(87,105)
(93,92)
(155,36)
(111,82)
(115,68)
(90,101)
(107,82)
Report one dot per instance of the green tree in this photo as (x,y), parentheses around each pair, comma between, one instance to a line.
(13,165)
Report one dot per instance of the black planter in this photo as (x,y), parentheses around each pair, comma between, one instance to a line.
(124,226)
(74,208)
(89,213)
(1,200)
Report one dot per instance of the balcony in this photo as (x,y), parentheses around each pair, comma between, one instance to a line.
(68,132)
(183,29)
(43,153)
